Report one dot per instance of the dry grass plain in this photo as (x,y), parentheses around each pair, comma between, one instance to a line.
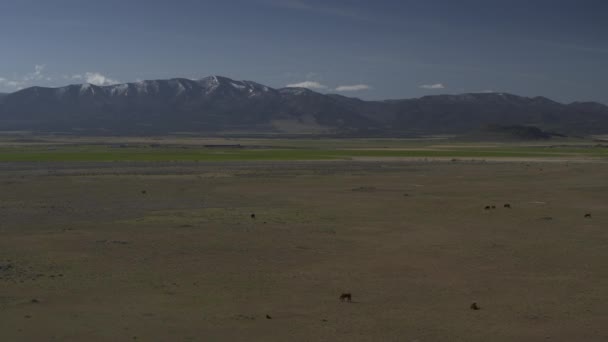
(85,255)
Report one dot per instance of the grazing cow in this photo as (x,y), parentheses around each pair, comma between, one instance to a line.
(252,216)
(507,206)
(474,306)
(487,207)
(346,297)
(587,215)
(268,317)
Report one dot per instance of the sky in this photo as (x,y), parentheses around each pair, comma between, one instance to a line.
(382,49)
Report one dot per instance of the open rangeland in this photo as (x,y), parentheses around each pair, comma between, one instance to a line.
(263,250)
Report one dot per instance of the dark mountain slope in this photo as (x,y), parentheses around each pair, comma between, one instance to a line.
(215,104)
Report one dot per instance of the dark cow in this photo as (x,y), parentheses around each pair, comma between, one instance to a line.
(507,206)
(587,215)
(487,207)
(474,306)
(346,297)
(252,216)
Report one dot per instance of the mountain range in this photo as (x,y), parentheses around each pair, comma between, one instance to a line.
(216,104)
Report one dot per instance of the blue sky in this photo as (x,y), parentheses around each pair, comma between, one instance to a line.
(369,49)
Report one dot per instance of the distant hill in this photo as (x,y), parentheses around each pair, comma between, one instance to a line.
(514,132)
(218,104)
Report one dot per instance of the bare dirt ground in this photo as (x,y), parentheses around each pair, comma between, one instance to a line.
(169,251)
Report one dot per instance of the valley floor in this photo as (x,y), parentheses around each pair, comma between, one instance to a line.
(166,251)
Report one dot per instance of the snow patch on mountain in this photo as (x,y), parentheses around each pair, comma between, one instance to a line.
(87,88)
(238,86)
(209,84)
(295,91)
(120,90)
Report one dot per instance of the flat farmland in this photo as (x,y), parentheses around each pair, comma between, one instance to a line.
(55,149)
(167,250)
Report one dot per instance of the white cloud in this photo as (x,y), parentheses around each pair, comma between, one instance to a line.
(4,82)
(98,79)
(37,75)
(433,86)
(354,87)
(25,80)
(307,84)
(11,84)
(94,78)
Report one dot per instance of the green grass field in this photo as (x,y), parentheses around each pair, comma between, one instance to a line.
(298,151)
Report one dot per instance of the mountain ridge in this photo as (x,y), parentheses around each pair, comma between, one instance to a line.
(217,104)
